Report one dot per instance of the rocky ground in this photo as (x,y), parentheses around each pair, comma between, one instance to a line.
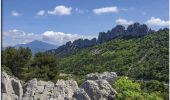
(95,87)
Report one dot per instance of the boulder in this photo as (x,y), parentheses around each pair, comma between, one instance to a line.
(80,94)
(17,87)
(11,88)
(109,76)
(30,88)
(98,89)
(62,90)
(65,89)
(6,84)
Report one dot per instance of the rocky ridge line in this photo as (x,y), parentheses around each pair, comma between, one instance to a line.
(133,30)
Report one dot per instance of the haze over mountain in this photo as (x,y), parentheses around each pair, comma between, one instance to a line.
(37,46)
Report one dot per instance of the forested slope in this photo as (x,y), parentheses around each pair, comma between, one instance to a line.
(140,58)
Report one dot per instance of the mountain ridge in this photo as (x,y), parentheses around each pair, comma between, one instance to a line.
(133,30)
(37,46)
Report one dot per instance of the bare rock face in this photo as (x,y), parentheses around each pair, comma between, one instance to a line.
(109,76)
(96,87)
(65,89)
(17,87)
(137,30)
(99,90)
(80,94)
(62,90)
(11,88)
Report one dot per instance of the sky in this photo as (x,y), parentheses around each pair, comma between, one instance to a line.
(60,21)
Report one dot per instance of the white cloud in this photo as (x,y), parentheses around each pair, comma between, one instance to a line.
(13,37)
(157,22)
(41,13)
(15,13)
(104,10)
(61,10)
(61,38)
(123,21)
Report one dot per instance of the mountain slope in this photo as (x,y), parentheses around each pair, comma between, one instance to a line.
(119,31)
(37,46)
(140,58)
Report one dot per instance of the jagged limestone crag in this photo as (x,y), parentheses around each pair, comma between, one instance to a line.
(70,47)
(133,30)
(96,87)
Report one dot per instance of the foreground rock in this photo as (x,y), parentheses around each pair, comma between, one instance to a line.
(92,89)
(109,76)
(11,88)
(99,90)
(62,90)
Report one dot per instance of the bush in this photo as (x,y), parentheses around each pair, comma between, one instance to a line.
(129,90)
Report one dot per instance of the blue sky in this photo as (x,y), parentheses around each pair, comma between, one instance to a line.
(59,21)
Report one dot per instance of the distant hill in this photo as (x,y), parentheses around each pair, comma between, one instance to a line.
(37,46)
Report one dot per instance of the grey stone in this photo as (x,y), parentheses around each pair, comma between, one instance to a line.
(17,87)
(98,89)
(95,88)
(11,88)
(109,76)
(80,94)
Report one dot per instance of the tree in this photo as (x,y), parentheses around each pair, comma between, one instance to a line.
(16,59)
(46,66)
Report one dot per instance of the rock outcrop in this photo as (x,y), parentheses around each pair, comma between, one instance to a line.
(70,47)
(11,88)
(133,30)
(96,87)
(62,90)
(108,76)
(99,89)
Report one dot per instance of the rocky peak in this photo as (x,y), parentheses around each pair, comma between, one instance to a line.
(70,47)
(136,30)
(133,30)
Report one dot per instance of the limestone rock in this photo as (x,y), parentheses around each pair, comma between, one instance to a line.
(17,87)
(65,89)
(70,47)
(136,30)
(11,88)
(98,89)
(133,30)
(109,76)
(62,90)
(80,94)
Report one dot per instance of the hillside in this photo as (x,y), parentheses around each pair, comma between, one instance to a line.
(119,31)
(143,58)
(141,63)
